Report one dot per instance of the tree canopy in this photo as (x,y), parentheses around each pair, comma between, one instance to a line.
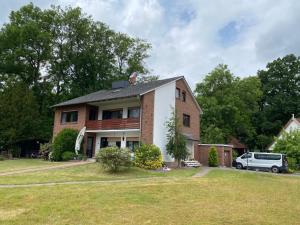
(62,53)
(228,104)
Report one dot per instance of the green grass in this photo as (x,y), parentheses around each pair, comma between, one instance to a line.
(20,164)
(88,172)
(222,197)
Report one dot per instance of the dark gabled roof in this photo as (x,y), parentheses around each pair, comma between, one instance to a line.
(130,91)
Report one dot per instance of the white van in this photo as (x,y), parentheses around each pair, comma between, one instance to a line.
(274,162)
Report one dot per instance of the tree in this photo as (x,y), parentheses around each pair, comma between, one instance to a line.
(60,54)
(19,116)
(229,104)
(176,142)
(281,97)
(289,144)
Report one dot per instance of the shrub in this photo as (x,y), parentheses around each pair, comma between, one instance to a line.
(66,156)
(113,158)
(213,157)
(63,142)
(148,157)
(45,150)
(2,158)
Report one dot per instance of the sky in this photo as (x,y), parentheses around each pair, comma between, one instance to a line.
(191,37)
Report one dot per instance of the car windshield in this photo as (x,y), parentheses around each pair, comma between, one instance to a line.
(247,155)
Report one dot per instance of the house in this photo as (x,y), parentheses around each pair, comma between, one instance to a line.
(238,147)
(292,124)
(130,114)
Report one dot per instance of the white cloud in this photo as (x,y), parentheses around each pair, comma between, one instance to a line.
(186,34)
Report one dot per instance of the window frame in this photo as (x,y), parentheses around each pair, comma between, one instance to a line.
(183,96)
(177,93)
(111,111)
(95,113)
(133,108)
(184,117)
(70,116)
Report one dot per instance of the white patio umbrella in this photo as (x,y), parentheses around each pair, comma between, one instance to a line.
(79,139)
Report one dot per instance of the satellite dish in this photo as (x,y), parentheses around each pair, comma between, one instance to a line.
(79,140)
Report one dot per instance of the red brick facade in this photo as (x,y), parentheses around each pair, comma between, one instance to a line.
(224,154)
(147,106)
(82,114)
(190,108)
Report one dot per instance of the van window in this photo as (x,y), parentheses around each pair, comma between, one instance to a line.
(245,156)
(267,156)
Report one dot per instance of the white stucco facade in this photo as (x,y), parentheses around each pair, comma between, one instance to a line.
(164,103)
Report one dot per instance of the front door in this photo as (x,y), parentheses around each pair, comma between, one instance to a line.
(90,147)
(227,158)
(104,142)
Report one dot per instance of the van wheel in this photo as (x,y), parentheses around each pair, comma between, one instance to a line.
(239,166)
(275,169)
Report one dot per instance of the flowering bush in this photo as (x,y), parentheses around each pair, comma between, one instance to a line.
(148,157)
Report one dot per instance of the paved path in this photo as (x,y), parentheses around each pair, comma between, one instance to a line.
(65,165)
(204,170)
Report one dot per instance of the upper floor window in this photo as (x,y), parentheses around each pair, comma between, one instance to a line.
(183,96)
(93,114)
(112,114)
(186,120)
(71,116)
(177,93)
(134,112)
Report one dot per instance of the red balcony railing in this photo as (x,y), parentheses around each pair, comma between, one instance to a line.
(113,124)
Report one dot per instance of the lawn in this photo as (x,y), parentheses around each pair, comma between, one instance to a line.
(89,172)
(20,164)
(221,197)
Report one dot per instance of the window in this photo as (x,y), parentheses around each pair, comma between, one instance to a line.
(177,93)
(267,156)
(112,114)
(93,114)
(67,117)
(186,120)
(247,155)
(183,96)
(134,112)
(132,145)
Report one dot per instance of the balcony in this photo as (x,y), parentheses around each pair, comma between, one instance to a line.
(113,124)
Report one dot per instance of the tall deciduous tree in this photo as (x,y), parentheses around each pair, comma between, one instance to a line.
(281,96)
(228,105)
(60,53)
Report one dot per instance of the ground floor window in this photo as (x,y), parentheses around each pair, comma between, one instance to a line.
(132,145)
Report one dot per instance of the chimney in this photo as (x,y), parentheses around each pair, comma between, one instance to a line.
(132,78)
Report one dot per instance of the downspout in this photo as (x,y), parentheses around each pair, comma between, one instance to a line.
(141,112)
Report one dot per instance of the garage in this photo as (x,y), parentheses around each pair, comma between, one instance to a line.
(224,154)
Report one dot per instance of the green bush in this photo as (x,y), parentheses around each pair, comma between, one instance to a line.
(113,158)
(45,150)
(148,157)
(63,142)
(2,158)
(213,160)
(66,156)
